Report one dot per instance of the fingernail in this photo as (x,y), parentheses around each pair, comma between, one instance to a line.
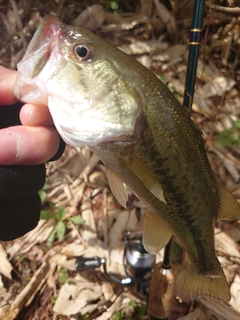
(31,114)
(9,148)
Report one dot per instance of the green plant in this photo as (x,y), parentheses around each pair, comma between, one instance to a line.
(162,78)
(22,257)
(118,315)
(59,215)
(132,312)
(63,275)
(112,5)
(230,136)
(142,309)
(132,304)
(42,193)
(177,252)
(208,50)
(53,299)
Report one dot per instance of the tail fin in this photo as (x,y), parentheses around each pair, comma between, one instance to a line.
(191,285)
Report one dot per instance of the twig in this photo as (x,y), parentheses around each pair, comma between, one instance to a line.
(228,228)
(168,19)
(100,312)
(19,24)
(235,10)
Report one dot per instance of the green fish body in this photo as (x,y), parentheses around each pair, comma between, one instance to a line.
(101,97)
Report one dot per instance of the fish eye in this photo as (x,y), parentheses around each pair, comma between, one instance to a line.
(84,51)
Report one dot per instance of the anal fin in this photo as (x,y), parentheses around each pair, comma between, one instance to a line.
(229,208)
(155,233)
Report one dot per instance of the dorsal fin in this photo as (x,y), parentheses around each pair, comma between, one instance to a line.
(229,207)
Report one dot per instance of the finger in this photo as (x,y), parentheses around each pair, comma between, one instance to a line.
(35,115)
(27,145)
(7,81)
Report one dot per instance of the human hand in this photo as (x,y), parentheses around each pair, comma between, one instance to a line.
(33,143)
(23,149)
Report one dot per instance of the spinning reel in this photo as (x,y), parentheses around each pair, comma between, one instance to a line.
(140,269)
(137,262)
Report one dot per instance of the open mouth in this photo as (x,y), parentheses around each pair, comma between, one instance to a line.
(43,49)
(44,42)
(49,28)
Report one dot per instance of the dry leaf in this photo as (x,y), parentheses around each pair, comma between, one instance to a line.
(219,309)
(73,249)
(107,290)
(226,244)
(197,314)
(217,87)
(168,19)
(125,220)
(75,294)
(112,309)
(28,293)
(91,18)
(89,228)
(5,265)
(38,235)
(175,54)
(235,293)
(143,47)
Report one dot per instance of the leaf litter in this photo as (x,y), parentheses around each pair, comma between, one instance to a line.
(39,279)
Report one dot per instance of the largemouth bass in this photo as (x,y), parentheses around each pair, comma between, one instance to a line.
(102,98)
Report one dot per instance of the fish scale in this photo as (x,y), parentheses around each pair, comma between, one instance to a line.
(166,171)
(105,99)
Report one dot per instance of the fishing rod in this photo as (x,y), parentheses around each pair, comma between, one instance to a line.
(194,44)
(160,310)
(161,287)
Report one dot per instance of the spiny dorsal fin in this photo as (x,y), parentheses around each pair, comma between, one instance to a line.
(229,207)
(155,233)
(145,176)
(117,187)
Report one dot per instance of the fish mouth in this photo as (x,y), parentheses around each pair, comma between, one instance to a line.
(43,49)
(49,28)
(44,42)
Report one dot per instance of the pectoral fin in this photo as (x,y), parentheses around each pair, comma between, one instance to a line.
(229,207)
(145,176)
(155,233)
(117,187)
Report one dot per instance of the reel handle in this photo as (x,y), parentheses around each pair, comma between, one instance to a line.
(83,264)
